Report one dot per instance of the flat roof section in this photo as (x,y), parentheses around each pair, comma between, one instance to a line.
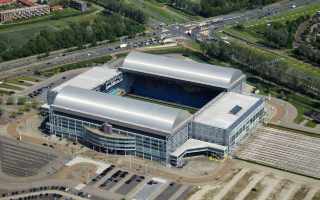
(226,110)
(90,79)
(193,144)
(200,73)
(121,111)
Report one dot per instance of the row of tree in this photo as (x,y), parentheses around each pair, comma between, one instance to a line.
(76,34)
(265,65)
(116,6)
(189,6)
(209,8)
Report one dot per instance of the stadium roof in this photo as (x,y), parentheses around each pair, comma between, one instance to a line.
(225,110)
(182,70)
(118,110)
(90,79)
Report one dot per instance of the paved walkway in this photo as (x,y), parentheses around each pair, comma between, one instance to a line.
(77,160)
(285,114)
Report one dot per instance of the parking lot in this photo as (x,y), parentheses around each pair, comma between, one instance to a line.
(136,186)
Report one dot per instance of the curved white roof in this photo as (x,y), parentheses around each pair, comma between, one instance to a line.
(90,79)
(118,110)
(182,70)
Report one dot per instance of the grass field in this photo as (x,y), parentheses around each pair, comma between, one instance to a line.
(29,78)
(19,82)
(19,33)
(77,65)
(10,87)
(160,12)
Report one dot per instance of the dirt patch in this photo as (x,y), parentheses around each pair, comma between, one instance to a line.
(284,185)
(256,191)
(279,112)
(316,196)
(240,185)
(210,194)
(301,193)
(79,172)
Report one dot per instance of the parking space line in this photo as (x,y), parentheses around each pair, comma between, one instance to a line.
(103,179)
(121,182)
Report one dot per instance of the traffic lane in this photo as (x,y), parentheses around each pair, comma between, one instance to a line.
(61,56)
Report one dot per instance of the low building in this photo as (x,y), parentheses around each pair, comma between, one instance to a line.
(227,119)
(79,5)
(24,13)
(4,2)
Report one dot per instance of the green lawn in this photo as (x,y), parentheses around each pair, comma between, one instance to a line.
(311,124)
(29,78)
(3,92)
(19,33)
(82,64)
(19,82)
(160,12)
(11,87)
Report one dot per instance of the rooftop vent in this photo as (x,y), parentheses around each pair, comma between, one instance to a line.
(235,109)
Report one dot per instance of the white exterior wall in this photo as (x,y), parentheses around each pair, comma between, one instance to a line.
(244,127)
(231,136)
(208,133)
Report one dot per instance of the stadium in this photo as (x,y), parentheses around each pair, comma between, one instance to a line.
(155,107)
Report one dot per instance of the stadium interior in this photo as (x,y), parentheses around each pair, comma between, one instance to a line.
(170,92)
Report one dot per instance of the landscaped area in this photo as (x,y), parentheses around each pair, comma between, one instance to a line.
(19,33)
(161,12)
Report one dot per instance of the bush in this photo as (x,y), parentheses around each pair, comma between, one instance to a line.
(11,100)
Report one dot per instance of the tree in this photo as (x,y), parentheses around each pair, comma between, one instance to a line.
(21,100)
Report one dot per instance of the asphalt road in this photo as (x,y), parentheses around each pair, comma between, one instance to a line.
(218,22)
(29,64)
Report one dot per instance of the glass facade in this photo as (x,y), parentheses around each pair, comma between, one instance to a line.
(129,141)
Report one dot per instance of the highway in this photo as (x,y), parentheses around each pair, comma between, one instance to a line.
(29,64)
(218,22)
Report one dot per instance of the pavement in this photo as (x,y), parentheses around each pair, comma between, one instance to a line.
(78,159)
(285,113)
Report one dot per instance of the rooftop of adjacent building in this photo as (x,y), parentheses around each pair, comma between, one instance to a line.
(226,109)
